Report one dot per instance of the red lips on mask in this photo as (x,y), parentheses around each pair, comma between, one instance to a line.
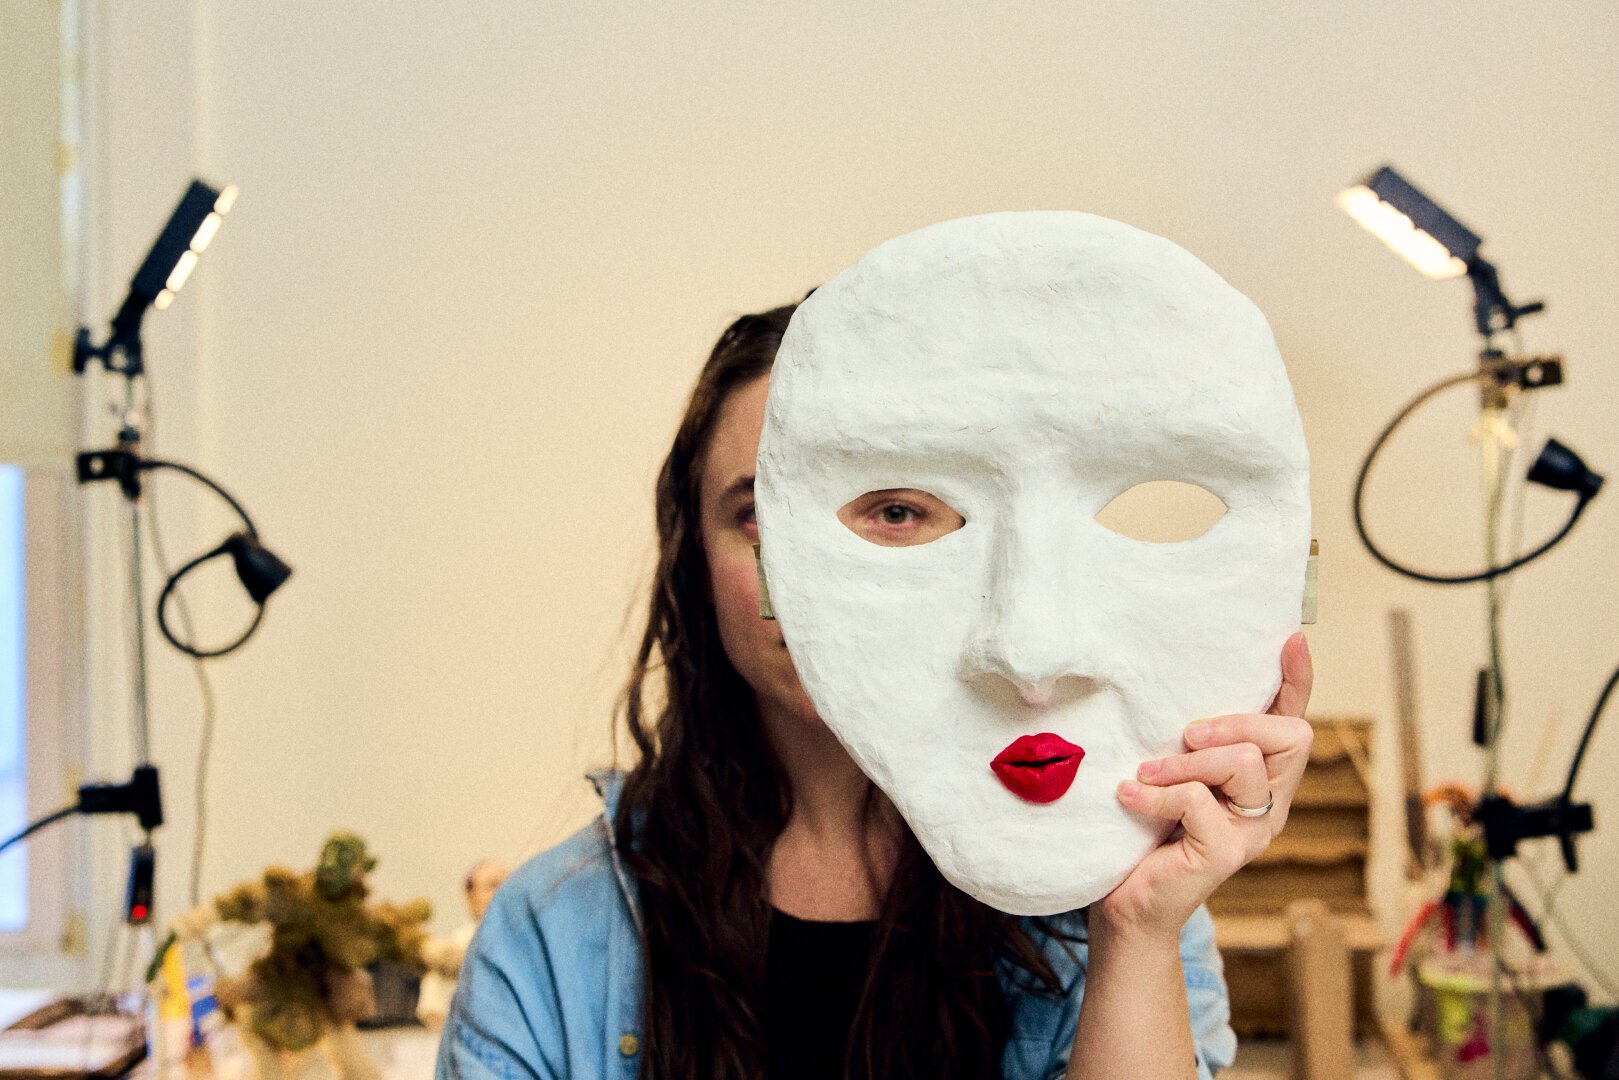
(1038,768)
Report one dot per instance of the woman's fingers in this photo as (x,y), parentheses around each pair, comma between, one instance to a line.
(1298,676)
(1210,830)
(1238,771)
(1284,735)
(1252,760)
(1281,733)
(1283,743)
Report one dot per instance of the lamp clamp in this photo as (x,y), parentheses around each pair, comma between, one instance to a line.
(1503,374)
(141,796)
(121,465)
(118,345)
(1506,824)
(1492,311)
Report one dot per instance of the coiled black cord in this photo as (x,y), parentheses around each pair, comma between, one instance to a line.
(251,532)
(168,591)
(1400,568)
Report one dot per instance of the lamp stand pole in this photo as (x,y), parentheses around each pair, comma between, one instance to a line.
(129,441)
(1495,435)
(142,795)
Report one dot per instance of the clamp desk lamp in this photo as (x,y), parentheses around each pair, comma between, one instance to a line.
(1440,247)
(162,274)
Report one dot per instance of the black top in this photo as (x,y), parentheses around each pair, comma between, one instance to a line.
(814,973)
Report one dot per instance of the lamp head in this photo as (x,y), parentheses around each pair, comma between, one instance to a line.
(260,571)
(186,236)
(167,266)
(174,254)
(1419,231)
(1411,224)
(1561,468)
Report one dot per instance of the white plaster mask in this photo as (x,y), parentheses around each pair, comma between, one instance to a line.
(1026,369)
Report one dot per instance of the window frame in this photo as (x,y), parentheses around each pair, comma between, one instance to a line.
(57,54)
(53,649)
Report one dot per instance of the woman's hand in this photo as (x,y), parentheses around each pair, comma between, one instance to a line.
(1242,760)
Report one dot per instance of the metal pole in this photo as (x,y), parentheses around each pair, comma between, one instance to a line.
(130,439)
(1496,435)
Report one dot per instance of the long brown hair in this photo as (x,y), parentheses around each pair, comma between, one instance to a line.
(707,800)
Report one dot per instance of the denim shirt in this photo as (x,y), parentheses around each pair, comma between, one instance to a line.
(551,985)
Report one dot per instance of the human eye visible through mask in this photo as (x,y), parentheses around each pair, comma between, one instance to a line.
(900,517)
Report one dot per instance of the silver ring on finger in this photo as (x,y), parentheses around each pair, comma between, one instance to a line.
(1252,811)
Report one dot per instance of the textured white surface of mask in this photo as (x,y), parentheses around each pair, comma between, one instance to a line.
(1026,368)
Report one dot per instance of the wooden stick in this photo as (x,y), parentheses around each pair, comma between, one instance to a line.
(1405,697)
(1323,1002)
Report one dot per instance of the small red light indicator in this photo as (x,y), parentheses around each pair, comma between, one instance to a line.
(138,912)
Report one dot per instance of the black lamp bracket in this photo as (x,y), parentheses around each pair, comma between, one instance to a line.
(141,796)
(1492,311)
(1501,374)
(123,466)
(120,354)
(1506,824)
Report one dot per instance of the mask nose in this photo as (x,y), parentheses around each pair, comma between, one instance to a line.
(1036,694)
(1032,630)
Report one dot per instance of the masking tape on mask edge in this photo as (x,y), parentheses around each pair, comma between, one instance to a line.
(1307,617)
(765,610)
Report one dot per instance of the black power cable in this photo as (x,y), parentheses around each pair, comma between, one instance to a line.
(1441,579)
(159,463)
(140,796)
(48,819)
(168,591)
(1585,739)
(261,572)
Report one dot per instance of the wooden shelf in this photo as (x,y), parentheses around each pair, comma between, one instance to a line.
(1268,933)
(1311,851)
(1320,856)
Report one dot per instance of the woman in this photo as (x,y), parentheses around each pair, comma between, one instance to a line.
(750,906)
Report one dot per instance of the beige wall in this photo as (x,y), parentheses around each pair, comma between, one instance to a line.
(481,249)
(38,400)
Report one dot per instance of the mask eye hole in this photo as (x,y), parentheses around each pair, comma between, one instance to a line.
(900,517)
(1163,512)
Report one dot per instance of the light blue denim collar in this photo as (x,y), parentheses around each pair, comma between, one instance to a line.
(609,785)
